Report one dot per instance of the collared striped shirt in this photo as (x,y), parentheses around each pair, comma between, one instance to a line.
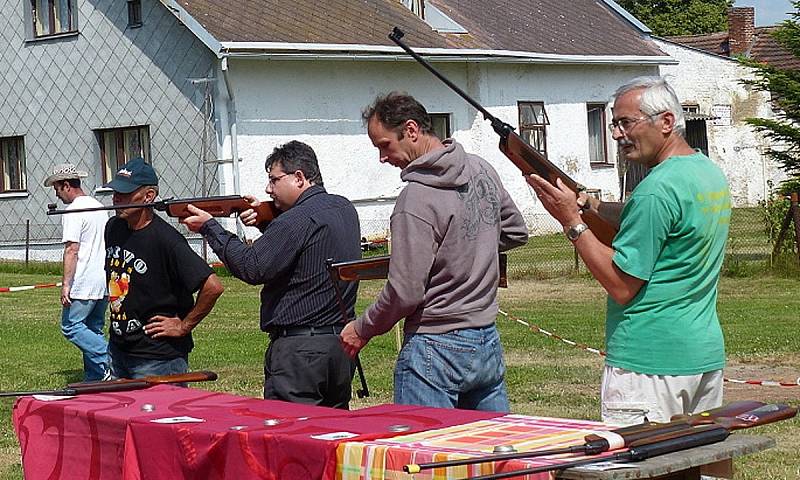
(289,260)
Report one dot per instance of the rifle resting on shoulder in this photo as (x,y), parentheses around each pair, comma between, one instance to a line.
(219,206)
(525,157)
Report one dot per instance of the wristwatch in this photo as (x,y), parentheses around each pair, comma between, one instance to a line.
(575,231)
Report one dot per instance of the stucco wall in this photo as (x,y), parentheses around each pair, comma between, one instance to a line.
(319,102)
(707,80)
(56,92)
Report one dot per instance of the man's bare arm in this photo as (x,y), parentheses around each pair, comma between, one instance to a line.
(70,265)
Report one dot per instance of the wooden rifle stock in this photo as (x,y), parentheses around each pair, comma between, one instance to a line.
(525,157)
(219,206)
(121,385)
(377,268)
(674,441)
(595,444)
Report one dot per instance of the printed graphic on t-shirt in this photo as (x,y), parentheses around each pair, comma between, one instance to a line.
(121,264)
(481,203)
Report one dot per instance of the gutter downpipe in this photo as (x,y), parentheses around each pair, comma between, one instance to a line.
(232,127)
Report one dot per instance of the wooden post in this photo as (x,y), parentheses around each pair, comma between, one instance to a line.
(776,250)
(27,241)
(795,210)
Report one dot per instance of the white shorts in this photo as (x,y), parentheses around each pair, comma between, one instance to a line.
(628,398)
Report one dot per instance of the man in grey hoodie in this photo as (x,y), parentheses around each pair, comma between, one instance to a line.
(447,227)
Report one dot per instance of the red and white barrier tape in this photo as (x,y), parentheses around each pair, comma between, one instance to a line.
(536,328)
(28,287)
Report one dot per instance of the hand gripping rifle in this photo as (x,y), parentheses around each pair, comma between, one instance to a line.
(610,440)
(518,151)
(335,279)
(675,441)
(121,385)
(220,206)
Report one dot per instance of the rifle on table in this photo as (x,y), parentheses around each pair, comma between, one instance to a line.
(220,206)
(120,385)
(377,268)
(669,442)
(525,157)
(611,440)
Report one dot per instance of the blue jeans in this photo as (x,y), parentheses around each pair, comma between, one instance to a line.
(459,369)
(82,324)
(124,365)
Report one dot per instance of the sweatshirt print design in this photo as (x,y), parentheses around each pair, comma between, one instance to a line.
(481,199)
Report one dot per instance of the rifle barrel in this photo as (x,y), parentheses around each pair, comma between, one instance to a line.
(156,205)
(677,441)
(66,392)
(396,37)
(598,443)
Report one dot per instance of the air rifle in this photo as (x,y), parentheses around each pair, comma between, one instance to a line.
(611,440)
(527,159)
(377,268)
(121,385)
(221,206)
(669,442)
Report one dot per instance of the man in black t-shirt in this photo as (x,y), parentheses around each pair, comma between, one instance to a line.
(152,275)
(305,362)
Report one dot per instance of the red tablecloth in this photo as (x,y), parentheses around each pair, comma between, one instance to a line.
(109,436)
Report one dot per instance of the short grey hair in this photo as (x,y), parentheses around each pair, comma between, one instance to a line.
(657,97)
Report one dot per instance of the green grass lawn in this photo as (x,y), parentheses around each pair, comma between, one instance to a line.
(545,377)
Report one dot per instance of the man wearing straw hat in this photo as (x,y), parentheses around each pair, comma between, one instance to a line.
(83,291)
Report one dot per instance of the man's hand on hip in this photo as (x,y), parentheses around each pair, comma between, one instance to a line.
(161,326)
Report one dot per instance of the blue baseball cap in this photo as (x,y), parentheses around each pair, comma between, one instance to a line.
(134,174)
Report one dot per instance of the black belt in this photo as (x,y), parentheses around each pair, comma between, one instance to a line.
(277,332)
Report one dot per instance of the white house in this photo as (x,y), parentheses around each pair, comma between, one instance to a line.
(206,89)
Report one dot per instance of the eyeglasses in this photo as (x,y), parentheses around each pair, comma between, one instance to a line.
(274,180)
(626,124)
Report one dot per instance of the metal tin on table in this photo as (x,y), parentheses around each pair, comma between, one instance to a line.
(504,449)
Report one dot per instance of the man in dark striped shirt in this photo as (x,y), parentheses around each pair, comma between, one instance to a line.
(305,362)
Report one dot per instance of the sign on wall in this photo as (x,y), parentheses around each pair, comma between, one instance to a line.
(722,114)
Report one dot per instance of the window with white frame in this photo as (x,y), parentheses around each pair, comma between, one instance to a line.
(53,17)
(12,165)
(596,119)
(532,125)
(119,145)
(441,125)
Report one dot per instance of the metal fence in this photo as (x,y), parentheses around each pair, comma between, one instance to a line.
(548,254)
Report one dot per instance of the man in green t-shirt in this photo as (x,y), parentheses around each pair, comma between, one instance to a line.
(665,350)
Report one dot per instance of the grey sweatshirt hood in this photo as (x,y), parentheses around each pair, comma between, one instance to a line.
(441,168)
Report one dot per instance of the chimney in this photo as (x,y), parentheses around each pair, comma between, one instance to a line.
(741,29)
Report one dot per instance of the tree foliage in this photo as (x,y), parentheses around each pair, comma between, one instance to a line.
(680,17)
(784,86)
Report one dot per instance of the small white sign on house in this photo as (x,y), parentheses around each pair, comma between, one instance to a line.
(721,114)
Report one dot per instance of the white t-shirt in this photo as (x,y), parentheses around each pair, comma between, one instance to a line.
(87,229)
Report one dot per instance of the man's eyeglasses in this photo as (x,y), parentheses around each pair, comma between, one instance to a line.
(274,180)
(627,124)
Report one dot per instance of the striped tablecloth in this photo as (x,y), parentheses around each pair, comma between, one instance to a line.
(385,458)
